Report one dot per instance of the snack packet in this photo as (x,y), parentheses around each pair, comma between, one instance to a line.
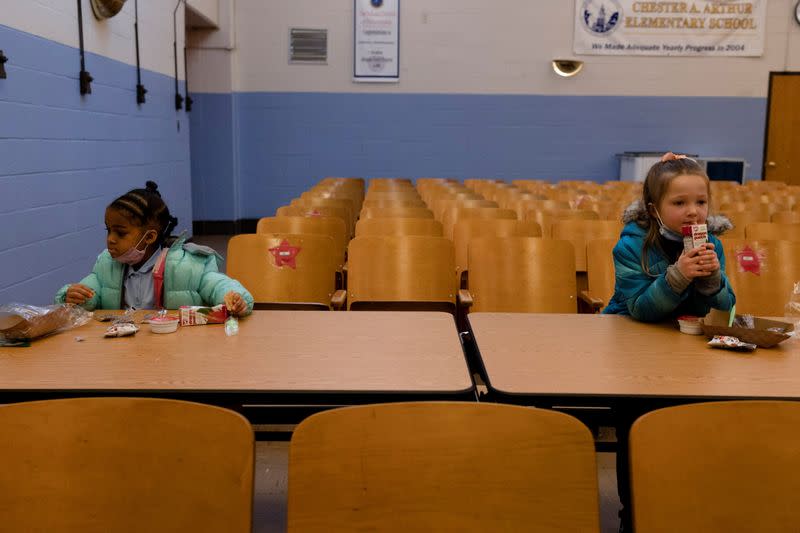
(731,343)
(198,315)
(694,235)
(122,329)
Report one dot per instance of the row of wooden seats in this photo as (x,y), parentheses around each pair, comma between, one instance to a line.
(506,273)
(145,464)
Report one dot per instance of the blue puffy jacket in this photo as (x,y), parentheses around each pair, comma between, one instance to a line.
(650,299)
(191,277)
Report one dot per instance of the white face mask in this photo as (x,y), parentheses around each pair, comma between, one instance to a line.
(133,256)
(664,231)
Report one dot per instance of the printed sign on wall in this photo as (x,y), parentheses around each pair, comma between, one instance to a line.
(376,40)
(690,28)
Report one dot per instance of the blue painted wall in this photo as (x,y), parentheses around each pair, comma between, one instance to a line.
(283,143)
(64,157)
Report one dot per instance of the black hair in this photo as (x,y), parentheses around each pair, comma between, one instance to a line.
(145,206)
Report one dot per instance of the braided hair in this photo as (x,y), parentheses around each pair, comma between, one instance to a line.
(145,206)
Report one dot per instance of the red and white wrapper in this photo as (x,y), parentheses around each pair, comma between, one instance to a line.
(197,315)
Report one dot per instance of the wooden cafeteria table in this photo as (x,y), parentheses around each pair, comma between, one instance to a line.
(612,360)
(278,358)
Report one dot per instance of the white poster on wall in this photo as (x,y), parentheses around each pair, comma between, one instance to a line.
(376,40)
(690,28)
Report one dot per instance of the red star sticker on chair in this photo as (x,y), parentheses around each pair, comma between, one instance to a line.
(285,254)
(749,260)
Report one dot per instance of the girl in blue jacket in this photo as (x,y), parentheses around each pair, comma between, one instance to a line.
(655,278)
(140,270)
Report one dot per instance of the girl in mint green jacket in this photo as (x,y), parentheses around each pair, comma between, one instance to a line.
(138,269)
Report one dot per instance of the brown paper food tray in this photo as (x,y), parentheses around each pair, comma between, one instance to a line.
(716,323)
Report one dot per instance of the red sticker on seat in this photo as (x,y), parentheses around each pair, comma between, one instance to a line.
(750,260)
(285,254)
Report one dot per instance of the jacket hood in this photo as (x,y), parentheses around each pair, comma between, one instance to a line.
(635,212)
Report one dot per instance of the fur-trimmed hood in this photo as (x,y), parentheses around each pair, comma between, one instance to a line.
(635,212)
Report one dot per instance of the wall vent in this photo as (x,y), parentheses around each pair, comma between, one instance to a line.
(308,46)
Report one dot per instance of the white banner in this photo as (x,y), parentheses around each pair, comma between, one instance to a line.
(376,40)
(690,28)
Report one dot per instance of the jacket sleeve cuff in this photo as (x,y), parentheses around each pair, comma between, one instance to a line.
(677,281)
(708,285)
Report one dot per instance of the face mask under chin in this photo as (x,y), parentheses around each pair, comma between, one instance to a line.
(666,232)
(669,234)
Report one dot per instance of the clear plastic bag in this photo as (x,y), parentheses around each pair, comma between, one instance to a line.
(792,309)
(27,322)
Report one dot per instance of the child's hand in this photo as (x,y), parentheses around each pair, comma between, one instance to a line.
(709,261)
(235,303)
(698,262)
(78,294)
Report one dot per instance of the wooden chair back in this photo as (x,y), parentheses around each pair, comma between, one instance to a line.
(284,270)
(600,273)
(399,226)
(396,212)
(312,204)
(390,202)
(94,465)
(579,232)
(445,204)
(786,217)
(401,272)
(718,466)
(316,212)
(442,466)
(762,274)
(772,231)
(522,275)
(546,219)
(469,228)
(333,227)
(455,214)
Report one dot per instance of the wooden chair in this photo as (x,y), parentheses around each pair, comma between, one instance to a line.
(399,226)
(720,466)
(445,204)
(402,273)
(385,202)
(94,465)
(310,204)
(579,232)
(762,274)
(442,466)
(469,228)
(786,217)
(772,231)
(455,214)
(520,275)
(396,212)
(546,219)
(333,227)
(600,274)
(287,271)
(316,212)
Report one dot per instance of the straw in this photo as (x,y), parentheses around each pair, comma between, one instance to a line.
(732,315)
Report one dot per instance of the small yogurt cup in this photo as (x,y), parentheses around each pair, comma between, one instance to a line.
(690,325)
(164,324)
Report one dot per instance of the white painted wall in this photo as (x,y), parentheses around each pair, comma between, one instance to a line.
(208,9)
(57,20)
(475,46)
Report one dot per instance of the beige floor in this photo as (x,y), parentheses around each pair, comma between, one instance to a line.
(272,458)
(269,514)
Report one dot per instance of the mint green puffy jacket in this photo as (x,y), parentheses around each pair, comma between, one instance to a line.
(191,277)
